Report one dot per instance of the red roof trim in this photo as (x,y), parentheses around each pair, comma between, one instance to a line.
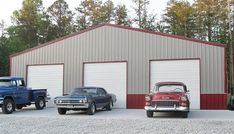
(118,26)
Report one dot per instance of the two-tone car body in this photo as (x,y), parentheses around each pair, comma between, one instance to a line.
(87,99)
(168,97)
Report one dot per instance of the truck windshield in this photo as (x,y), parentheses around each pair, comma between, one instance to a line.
(79,91)
(170,88)
(6,83)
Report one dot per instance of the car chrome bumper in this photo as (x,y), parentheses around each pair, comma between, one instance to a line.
(180,108)
(73,106)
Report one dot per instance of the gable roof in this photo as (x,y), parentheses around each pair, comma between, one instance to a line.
(122,27)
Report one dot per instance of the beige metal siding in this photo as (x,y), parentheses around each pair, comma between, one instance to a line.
(137,48)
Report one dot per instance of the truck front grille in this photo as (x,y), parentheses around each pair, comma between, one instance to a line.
(165,103)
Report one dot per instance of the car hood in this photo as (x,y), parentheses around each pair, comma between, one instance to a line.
(167,95)
(72,97)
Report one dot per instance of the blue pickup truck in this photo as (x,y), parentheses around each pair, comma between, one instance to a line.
(14,94)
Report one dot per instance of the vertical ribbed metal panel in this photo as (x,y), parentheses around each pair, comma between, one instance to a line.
(137,48)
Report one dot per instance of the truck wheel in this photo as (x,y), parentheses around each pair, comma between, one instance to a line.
(185,114)
(149,113)
(40,103)
(91,110)
(62,110)
(19,106)
(109,106)
(8,106)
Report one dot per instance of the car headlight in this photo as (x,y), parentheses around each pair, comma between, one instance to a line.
(183,98)
(84,100)
(147,98)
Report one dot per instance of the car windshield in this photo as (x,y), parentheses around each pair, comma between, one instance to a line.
(170,88)
(6,83)
(79,91)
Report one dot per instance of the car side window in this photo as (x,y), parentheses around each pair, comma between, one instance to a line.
(101,91)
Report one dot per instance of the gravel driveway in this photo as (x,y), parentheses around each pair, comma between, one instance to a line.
(117,121)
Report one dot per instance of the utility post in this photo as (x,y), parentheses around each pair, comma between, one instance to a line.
(231,49)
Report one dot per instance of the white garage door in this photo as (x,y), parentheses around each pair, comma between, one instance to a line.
(48,77)
(111,76)
(186,71)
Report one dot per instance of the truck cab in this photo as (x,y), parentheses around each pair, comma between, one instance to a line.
(15,94)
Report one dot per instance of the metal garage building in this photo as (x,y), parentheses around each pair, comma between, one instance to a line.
(127,62)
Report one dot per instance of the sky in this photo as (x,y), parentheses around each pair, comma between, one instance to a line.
(8,6)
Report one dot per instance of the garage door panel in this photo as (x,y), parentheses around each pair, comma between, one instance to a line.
(186,71)
(111,76)
(48,77)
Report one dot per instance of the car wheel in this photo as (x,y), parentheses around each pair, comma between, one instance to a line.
(91,110)
(40,103)
(62,110)
(109,106)
(149,113)
(185,114)
(8,106)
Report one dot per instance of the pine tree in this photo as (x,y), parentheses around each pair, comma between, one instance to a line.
(61,18)
(121,16)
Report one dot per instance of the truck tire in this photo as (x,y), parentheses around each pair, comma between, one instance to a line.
(8,106)
(40,103)
(91,110)
(109,106)
(19,106)
(62,110)
(149,113)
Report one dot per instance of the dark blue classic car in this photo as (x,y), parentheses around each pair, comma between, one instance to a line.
(87,99)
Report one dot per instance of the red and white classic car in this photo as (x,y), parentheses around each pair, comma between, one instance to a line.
(168,97)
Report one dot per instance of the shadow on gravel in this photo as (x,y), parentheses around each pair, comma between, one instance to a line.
(84,113)
(168,115)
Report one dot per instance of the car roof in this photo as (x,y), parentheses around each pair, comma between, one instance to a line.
(170,83)
(11,78)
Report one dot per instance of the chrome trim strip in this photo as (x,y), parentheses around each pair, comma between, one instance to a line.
(180,108)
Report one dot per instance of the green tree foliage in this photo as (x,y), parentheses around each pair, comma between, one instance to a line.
(143,19)
(28,21)
(83,15)
(61,18)
(179,17)
(3,50)
(211,17)
(121,16)
(106,12)
(94,12)
(94,7)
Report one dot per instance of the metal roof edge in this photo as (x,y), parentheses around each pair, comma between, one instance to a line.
(118,26)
